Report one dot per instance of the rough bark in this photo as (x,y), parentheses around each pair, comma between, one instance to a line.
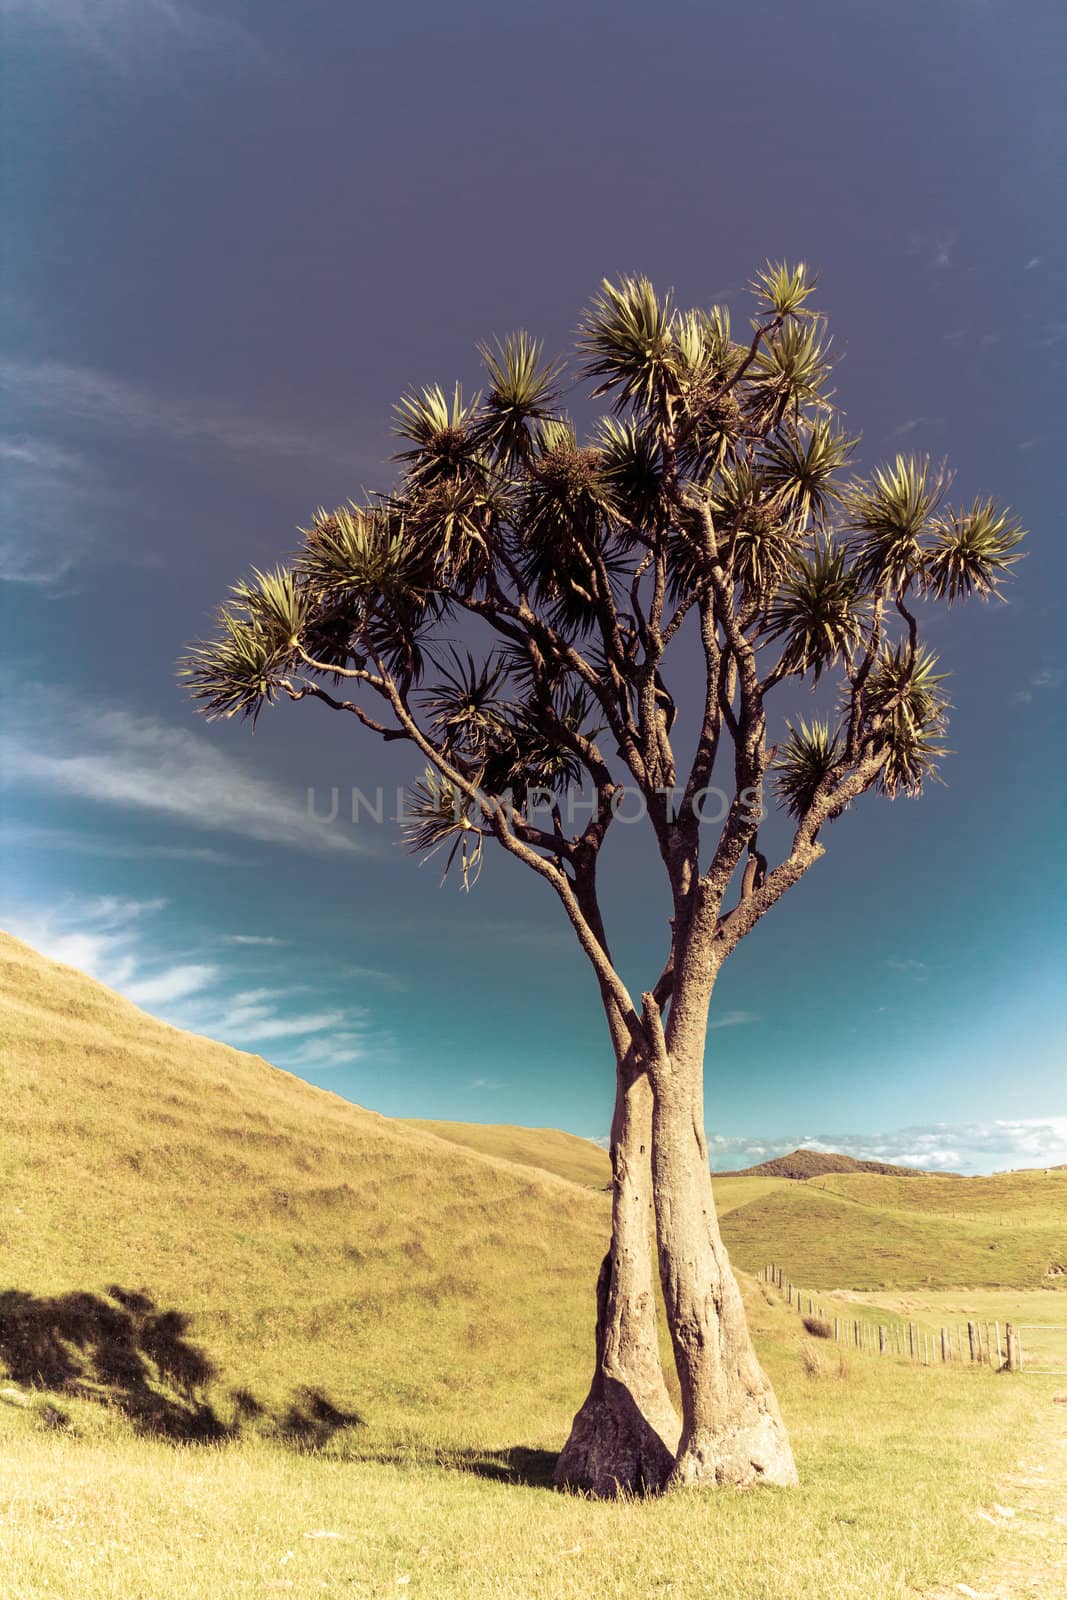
(732,1430)
(624,1436)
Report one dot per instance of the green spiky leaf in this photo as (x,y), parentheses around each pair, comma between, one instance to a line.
(972,552)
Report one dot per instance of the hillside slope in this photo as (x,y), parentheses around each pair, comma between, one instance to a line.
(311,1242)
(548,1149)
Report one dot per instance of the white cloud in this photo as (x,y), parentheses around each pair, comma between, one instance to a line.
(176,983)
(107,938)
(485,1083)
(52,745)
(251,938)
(96,936)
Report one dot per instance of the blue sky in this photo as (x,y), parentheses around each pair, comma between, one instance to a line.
(236,234)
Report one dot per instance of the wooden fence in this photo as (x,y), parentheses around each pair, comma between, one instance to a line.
(983,1343)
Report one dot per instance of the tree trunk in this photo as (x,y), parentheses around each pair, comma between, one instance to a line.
(732,1431)
(625,1434)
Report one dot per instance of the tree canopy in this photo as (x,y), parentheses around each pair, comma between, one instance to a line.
(715,491)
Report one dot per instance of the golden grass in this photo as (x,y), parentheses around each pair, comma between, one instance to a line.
(338,1266)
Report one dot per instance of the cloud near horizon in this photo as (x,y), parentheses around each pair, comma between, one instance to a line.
(971,1148)
(967,1147)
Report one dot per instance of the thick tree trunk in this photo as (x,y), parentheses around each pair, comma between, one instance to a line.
(732,1431)
(625,1434)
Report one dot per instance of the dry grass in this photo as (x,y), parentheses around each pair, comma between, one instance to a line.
(395,1332)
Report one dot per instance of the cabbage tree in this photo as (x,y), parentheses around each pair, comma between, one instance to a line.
(620,612)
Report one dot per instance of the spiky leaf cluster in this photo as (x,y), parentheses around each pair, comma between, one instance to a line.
(714,483)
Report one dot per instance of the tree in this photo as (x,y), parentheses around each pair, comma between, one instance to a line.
(711,503)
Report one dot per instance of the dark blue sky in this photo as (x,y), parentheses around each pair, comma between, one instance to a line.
(236,235)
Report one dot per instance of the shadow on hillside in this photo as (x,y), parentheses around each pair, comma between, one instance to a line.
(124,1351)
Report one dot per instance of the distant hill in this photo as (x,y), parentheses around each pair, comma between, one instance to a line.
(803,1164)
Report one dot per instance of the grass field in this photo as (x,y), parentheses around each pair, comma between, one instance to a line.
(333,1324)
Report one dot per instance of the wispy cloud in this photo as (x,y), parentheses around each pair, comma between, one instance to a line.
(49,501)
(34,836)
(378,976)
(55,390)
(99,936)
(485,1083)
(733,1019)
(967,1147)
(176,983)
(933,251)
(907,967)
(251,938)
(120,942)
(122,32)
(1047,680)
(140,764)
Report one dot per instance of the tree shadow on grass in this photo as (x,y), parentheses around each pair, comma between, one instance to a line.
(124,1351)
(531,1469)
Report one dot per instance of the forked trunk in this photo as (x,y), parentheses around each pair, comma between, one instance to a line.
(625,1434)
(732,1430)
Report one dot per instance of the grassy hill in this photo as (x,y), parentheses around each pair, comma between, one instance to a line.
(862,1231)
(311,1242)
(548,1149)
(384,1336)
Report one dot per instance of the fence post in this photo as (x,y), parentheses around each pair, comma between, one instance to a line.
(972,1341)
(837,1330)
(945,1353)
(1000,1353)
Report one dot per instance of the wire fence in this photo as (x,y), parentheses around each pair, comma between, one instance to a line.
(991,1344)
